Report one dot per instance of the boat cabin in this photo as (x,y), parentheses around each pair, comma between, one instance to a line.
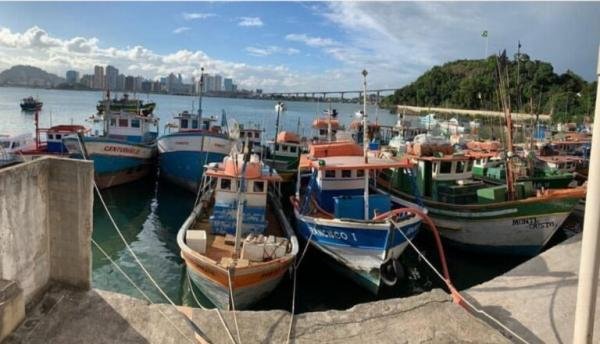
(226,179)
(253,135)
(188,122)
(130,127)
(16,143)
(55,134)
(321,125)
(287,148)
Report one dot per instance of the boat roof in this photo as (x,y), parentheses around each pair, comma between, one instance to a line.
(561,158)
(337,148)
(453,157)
(356,162)
(255,169)
(322,123)
(68,128)
(288,137)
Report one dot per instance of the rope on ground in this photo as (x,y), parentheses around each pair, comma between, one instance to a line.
(296,266)
(237,329)
(457,297)
(216,308)
(139,289)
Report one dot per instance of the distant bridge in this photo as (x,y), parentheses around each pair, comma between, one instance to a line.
(486,113)
(325,94)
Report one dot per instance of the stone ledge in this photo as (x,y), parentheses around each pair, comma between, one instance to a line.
(12,307)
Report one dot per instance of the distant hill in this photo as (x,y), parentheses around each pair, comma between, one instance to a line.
(21,75)
(471,84)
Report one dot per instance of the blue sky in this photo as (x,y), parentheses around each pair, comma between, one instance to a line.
(293,46)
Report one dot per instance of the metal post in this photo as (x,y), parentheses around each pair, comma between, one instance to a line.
(365,145)
(590,242)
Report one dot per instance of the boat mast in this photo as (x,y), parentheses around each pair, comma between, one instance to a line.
(280,107)
(505,101)
(200,93)
(329,124)
(241,201)
(365,145)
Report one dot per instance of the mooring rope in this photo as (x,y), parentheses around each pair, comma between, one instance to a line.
(455,293)
(237,329)
(204,308)
(130,280)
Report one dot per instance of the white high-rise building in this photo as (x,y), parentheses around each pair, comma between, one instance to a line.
(218,85)
(112,75)
(228,85)
(98,77)
(72,77)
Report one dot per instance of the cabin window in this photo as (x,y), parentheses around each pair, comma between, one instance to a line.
(346,173)
(123,122)
(184,123)
(478,162)
(225,184)
(460,166)
(135,123)
(50,137)
(58,136)
(15,145)
(322,132)
(469,165)
(4,144)
(258,186)
(276,147)
(446,167)
(360,173)
(194,124)
(113,122)
(284,148)
(256,135)
(330,174)
(205,125)
(243,134)
(293,149)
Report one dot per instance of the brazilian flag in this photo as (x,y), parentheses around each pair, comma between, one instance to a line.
(484,33)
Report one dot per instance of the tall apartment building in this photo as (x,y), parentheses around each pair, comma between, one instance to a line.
(98,77)
(112,75)
(129,84)
(218,85)
(228,83)
(72,77)
(120,82)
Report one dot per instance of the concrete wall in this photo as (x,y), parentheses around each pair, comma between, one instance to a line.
(46,223)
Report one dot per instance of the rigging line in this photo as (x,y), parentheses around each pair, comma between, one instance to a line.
(448,283)
(237,329)
(139,289)
(205,308)
(121,234)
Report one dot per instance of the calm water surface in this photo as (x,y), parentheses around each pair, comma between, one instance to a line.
(150,212)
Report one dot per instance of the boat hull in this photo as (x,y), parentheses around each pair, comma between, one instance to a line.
(513,228)
(357,249)
(115,162)
(182,156)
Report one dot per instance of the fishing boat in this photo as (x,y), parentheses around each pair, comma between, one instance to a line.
(284,154)
(237,243)
(197,142)
(513,218)
(329,207)
(125,152)
(31,104)
(125,104)
(327,126)
(49,141)
(16,143)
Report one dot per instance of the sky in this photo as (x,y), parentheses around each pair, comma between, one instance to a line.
(294,46)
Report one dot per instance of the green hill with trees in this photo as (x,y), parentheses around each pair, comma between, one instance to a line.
(471,84)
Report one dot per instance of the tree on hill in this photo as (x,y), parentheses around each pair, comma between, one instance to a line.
(470,84)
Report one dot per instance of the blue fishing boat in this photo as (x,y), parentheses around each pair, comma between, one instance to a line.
(197,142)
(124,153)
(337,215)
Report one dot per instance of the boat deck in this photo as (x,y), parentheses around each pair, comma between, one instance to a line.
(219,246)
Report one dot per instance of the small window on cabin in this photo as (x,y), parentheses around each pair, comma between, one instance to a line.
(446,167)
(330,174)
(135,123)
(15,145)
(360,173)
(113,122)
(184,123)
(257,134)
(259,186)
(346,173)
(478,161)
(194,124)
(243,134)
(205,125)
(293,149)
(460,166)
(284,148)
(123,122)
(322,132)
(50,137)
(469,165)
(225,184)
(276,147)
(58,136)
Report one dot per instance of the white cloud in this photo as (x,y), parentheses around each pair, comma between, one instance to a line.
(196,15)
(311,41)
(181,29)
(250,21)
(270,50)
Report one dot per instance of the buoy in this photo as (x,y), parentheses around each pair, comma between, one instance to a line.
(388,273)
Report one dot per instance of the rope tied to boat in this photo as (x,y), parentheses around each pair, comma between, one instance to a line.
(237,329)
(457,297)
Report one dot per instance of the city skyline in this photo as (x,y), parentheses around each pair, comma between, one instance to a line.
(294,46)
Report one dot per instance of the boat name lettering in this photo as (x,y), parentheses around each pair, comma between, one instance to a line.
(121,149)
(331,234)
(533,223)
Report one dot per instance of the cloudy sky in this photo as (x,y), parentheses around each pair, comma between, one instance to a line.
(293,46)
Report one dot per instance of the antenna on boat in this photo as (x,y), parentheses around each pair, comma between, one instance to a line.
(365,145)
(241,199)
(505,101)
(200,93)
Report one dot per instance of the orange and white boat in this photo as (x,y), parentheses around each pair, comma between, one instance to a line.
(237,243)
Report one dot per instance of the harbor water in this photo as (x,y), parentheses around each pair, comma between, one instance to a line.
(149,212)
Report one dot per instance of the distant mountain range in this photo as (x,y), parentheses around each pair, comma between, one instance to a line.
(30,76)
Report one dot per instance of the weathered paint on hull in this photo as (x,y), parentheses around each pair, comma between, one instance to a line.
(357,250)
(113,179)
(506,228)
